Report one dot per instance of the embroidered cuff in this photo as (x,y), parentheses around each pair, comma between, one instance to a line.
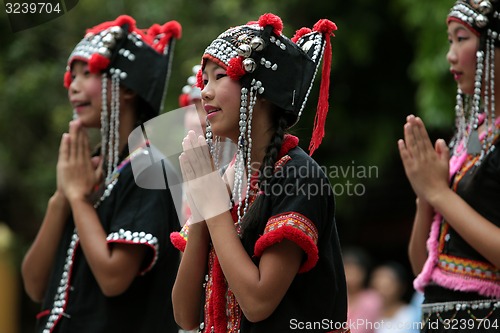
(136,237)
(295,227)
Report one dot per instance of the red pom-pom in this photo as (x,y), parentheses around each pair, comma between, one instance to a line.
(325,26)
(125,19)
(184,100)
(178,241)
(273,20)
(235,68)
(199,79)
(120,20)
(174,28)
(154,30)
(98,63)
(67,79)
(299,33)
(166,32)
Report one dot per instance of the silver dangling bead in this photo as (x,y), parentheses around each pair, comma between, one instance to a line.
(104,119)
(116,133)
(208,132)
(243,117)
(495,128)
(459,123)
(209,136)
(241,146)
(113,133)
(489,121)
(253,98)
(216,152)
(473,143)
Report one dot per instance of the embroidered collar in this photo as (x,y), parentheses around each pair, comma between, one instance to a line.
(289,142)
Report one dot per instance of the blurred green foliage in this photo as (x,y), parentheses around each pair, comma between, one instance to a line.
(388,61)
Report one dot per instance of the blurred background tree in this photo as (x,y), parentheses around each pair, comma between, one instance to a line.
(388,61)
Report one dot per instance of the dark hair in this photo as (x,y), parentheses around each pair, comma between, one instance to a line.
(143,111)
(402,277)
(361,258)
(280,124)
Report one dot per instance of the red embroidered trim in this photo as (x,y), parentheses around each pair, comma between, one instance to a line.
(282,161)
(295,227)
(42,314)
(154,256)
(222,311)
(218,298)
(464,267)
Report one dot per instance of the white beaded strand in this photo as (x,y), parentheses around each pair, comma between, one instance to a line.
(252,100)
(116,112)
(104,116)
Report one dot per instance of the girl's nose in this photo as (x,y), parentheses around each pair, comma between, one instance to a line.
(207,93)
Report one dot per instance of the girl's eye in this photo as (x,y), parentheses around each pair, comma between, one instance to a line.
(205,82)
(220,75)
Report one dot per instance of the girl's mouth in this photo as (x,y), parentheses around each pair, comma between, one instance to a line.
(211,113)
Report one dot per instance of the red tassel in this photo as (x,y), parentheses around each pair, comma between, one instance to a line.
(219,298)
(235,68)
(271,19)
(322,109)
(67,79)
